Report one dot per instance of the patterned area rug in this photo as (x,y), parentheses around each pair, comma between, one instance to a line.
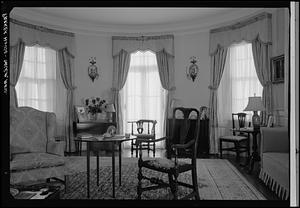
(218,179)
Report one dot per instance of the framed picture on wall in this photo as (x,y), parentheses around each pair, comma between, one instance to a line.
(277,69)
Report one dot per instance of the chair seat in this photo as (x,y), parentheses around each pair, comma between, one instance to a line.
(144,136)
(166,165)
(234,138)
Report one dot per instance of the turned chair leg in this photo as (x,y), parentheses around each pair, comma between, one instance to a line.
(220,144)
(175,187)
(139,187)
(237,149)
(131,147)
(154,149)
(195,183)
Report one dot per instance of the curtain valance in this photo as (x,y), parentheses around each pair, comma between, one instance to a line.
(33,34)
(258,26)
(153,43)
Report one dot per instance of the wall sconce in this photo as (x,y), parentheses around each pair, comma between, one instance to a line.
(192,70)
(92,69)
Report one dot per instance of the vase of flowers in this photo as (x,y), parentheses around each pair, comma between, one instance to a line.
(94,106)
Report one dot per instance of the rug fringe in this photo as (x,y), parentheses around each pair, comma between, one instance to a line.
(279,190)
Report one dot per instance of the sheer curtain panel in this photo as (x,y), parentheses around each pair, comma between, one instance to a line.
(143,96)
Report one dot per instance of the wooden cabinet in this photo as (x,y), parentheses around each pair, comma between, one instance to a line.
(203,140)
(92,127)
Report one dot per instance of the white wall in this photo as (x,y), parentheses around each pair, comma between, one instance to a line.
(99,47)
(192,94)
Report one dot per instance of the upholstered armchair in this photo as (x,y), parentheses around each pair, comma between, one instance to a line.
(34,152)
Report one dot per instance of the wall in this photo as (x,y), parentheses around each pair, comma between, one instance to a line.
(280,45)
(99,47)
(192,94)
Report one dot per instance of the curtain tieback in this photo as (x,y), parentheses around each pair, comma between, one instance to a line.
(172,89)
(267,84)
(114,89)
(212,88)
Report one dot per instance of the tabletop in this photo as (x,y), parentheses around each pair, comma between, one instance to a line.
(101,138)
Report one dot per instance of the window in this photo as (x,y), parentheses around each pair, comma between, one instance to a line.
(143,96)
(239,81)
(36,86)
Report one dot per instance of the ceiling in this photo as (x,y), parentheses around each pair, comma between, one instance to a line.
(129,20)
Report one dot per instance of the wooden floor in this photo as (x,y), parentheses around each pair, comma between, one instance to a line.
(252,178)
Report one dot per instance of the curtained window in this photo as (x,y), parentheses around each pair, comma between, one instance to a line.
(143,96)
(239,81)
(40,85)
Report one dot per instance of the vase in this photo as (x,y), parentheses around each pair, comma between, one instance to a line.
(101,116)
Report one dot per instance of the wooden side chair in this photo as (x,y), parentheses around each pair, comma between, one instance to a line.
(241,141)
(145,129)
(172,165)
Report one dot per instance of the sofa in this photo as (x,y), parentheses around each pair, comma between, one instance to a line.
(35,153)
(274,170)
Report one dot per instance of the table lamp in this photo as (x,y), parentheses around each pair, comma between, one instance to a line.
(255,104)
(110,109)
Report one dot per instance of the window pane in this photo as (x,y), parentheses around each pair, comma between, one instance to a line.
(37,81)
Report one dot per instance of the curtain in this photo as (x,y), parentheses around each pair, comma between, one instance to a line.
(143,96)
(65,60)
(216,70)
(120,71)
(239,81)
(261,56)
(221,38)
(16,61)
(165,63)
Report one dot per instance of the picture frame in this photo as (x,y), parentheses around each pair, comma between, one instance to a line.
(277,69)
(81,114)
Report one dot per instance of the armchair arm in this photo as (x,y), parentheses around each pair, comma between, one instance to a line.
(183,146)
(274,139)
(56,147)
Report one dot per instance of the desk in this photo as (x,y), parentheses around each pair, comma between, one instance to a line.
(115,140)
(255,155)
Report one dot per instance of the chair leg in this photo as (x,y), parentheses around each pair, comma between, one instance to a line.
(195,183)
(220,145)
(175,187)
(131,147)
(148,146)
(139,187)
(171,183)
(66,182)
(237,149)
(154,149)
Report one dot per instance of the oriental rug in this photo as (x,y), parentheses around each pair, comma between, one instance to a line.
(218,179)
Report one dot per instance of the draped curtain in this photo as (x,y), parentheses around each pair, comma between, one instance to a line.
(216,70)
(16,61)
(163,46)
(257,27)
(120,72)
(261,55)
(63,43)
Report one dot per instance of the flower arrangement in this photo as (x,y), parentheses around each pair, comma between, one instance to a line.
(94,105)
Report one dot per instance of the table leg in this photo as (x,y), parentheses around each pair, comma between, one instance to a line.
(97,155)
(120,163)
(113,167)
(254,156)
(88,168)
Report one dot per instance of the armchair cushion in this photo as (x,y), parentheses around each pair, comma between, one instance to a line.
(35,160)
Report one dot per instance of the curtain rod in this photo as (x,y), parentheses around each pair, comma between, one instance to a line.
(143,37)
(242,23)
(40,28)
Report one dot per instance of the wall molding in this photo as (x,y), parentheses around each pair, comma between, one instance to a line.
(195,26)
